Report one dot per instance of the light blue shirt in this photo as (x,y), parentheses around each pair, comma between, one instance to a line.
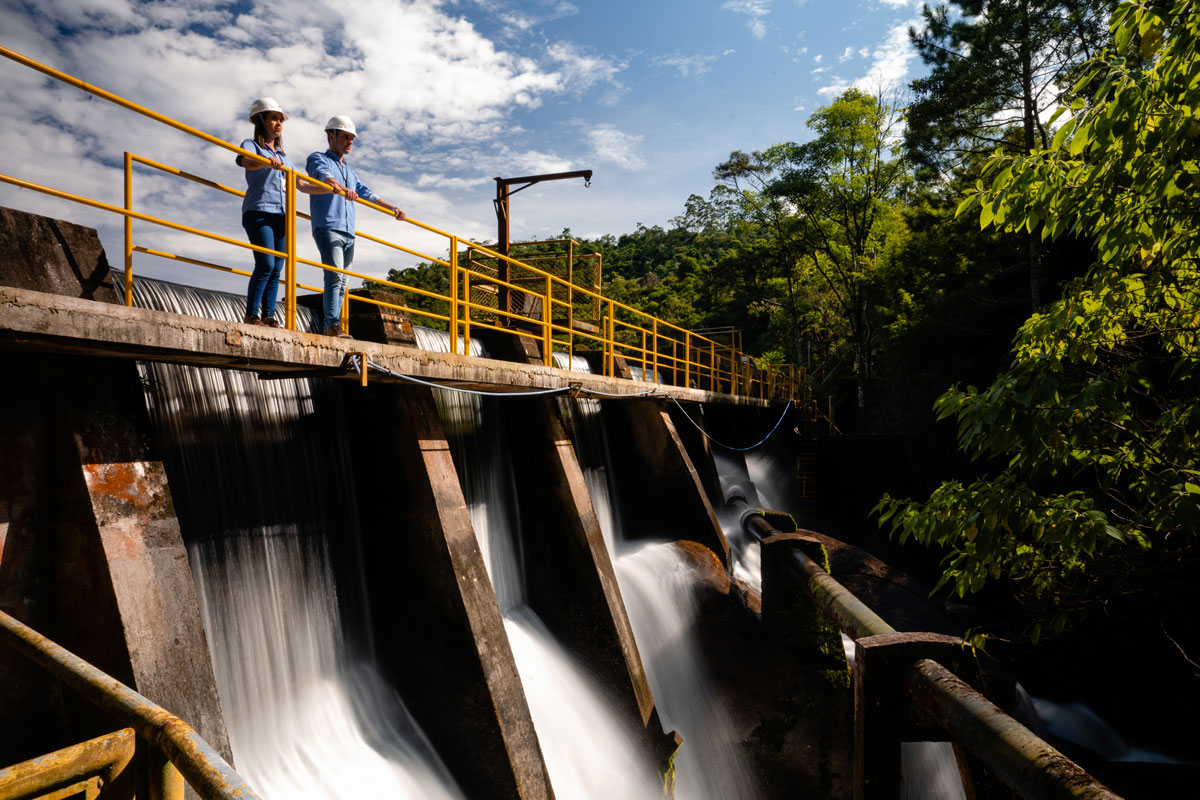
(334,211)
(265,186)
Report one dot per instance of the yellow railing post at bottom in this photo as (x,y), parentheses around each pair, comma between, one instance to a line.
(128,229)
(687,359)
(165,781)
(289,286)
(712,366)
(547,313)
(611,367)
(643,355)
(654,348)
(453,294)
(467,314)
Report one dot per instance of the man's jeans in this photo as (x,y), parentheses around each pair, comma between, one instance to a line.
(337,250)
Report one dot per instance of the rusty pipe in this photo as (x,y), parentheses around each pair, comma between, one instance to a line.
(1034,769)
(851,614)
(203,767)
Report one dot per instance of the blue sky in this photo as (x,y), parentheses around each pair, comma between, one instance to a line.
(650,95)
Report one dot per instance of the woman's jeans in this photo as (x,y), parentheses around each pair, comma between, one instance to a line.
(266,230)
(337,250)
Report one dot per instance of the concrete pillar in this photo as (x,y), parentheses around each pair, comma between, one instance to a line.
(51,255)
(569,573)
(884,716)
(790,615)
(691,421)
(91,551)
(438,630)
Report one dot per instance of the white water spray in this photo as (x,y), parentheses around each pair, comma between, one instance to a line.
(249,455)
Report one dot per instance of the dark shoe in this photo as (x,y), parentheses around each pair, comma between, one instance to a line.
(270,322)
(336,330)
(252,319)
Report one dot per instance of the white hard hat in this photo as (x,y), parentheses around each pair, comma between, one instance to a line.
(264,104)
(341,123)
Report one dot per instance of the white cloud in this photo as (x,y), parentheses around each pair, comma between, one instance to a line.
(686,65)
(847,54)
(756,10)
(889,64)
(615,147)
(433,98)
(818,58)
(581,70)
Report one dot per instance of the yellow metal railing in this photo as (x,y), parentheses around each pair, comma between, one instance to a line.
(174,751)
(554,311)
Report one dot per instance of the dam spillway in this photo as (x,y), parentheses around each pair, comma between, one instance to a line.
(320,544)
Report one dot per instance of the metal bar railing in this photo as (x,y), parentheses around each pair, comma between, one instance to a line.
(653,332)
(195,759)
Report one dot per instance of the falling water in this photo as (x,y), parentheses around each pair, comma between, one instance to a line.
(588,753)
(260,477)
(659,590)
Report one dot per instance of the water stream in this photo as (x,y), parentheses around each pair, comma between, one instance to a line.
(261,478)
(589,754)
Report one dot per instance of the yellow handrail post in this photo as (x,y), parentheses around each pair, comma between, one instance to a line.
(289,286)
(712,366)
(128,229)
(165,781)
(454,294)
(467,313)
(611,366)
(643,355)
(655,348)
(687,359)
(344,316)
(547,314)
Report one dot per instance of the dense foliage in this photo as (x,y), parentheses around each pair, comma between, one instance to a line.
(1094,485)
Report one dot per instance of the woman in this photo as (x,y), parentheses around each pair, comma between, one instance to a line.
(263,209)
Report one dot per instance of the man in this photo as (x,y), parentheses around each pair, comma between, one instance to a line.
(333,215)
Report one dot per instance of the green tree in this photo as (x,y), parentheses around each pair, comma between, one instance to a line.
(843,187)
(1092,429)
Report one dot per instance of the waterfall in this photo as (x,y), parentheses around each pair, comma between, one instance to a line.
(659,591)
(589,754)
(261,480)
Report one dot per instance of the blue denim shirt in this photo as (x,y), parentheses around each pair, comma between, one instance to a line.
(265,186)
(334,211)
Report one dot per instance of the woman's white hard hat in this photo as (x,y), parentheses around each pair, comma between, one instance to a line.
(341,123)
(264,104)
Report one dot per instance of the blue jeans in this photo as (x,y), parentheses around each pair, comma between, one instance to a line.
(337,250)
(266,230)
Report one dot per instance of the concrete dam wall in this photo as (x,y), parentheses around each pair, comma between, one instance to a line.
(387,589)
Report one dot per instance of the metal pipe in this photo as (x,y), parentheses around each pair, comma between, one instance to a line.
(105,756)
(1034,769)
(203,767)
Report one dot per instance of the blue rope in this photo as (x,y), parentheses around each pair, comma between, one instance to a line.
(727,447)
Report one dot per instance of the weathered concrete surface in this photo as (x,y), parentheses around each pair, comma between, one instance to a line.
(36,321)
(90,553)
(438,629)
(51,255)
(146,560)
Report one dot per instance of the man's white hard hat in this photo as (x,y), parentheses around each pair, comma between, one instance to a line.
(341,123)
(262,105)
